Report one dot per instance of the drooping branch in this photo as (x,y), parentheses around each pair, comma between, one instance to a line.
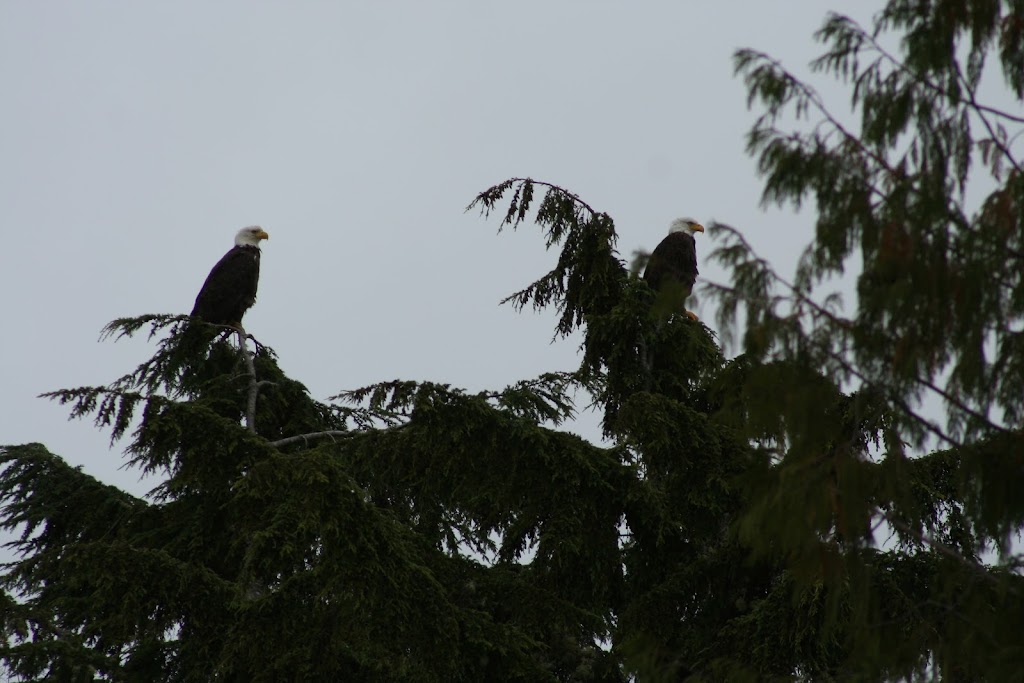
(589,275)
(837,21)
(943,549)
(819,311)
(807,98)
(561,190)
(522,198)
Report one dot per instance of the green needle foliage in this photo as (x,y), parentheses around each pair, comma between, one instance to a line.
(792,513)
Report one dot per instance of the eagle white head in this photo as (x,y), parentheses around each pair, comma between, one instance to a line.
(687,225)
(251,236)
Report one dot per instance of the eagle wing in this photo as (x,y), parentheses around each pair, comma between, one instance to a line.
(230,288)
(674,260)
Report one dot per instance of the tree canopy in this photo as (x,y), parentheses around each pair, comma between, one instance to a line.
(792,512)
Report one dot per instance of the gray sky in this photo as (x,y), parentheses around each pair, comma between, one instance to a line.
(136,139)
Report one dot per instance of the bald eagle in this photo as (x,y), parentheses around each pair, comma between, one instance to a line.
(672,268)
(230,288)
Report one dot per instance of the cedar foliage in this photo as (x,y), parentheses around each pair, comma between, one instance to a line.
(790,513)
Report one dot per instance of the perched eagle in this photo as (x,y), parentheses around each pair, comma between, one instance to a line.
(672,268)
(230,288)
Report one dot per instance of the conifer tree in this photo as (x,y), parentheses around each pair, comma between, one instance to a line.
(789,513)
(898,530)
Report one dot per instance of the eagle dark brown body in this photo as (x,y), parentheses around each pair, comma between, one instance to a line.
(230,288)
(672,269)
(673,260)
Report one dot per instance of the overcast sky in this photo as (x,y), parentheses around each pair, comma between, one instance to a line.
(137,138)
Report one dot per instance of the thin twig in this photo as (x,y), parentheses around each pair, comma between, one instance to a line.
(972,102)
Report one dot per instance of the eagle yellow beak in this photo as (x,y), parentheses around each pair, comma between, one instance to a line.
(697,227)
(262,234)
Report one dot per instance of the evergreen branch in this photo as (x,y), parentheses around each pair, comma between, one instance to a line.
(925,81)
(837,20)
(366,418)
(949,398)
(943,549)
(542,398)
(50,506)
(960,405)
(807,95)
(927,424)
(846,325)
(126,327)
(521,199)
(848,367)
(588,276)
(561,190)
(113,407)
(397,398)
(45,636)
(487,199)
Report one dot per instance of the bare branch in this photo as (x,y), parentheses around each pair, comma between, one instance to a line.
(973,103)
(332,434)
(254,385)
